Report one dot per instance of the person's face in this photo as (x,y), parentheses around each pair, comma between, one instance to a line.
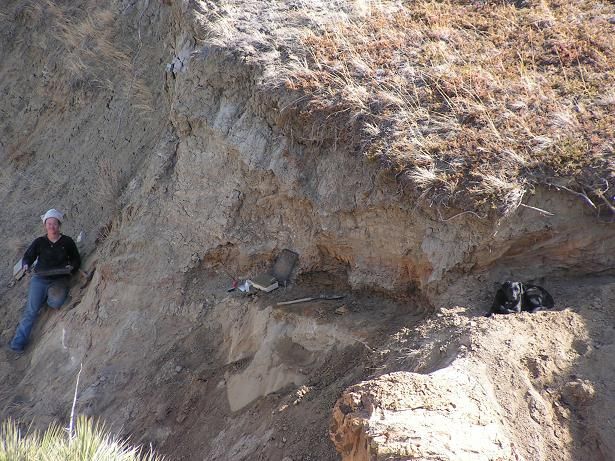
(52,226)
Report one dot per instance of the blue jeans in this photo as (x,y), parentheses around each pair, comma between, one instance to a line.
(42,289)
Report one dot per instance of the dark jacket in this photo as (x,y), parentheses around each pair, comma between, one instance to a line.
(52,255)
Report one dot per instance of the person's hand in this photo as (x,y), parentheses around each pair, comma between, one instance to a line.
(26,268)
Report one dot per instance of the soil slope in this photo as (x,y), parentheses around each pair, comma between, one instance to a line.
(163,131)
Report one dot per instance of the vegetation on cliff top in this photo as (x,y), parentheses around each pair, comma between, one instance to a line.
(472,103)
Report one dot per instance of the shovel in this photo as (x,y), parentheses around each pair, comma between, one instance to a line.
(305,300)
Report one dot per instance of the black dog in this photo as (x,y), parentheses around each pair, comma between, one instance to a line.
(515,297)
(536,298)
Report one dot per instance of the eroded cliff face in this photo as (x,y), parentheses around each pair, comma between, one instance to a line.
(182,163)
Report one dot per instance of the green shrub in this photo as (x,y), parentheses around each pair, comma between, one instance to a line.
(90,442)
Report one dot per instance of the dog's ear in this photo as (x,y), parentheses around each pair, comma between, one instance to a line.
(507,284)
(519,286)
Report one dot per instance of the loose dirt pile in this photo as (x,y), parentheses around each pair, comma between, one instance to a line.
(528,386)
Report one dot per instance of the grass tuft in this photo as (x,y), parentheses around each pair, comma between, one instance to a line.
(84,55)
(91,443)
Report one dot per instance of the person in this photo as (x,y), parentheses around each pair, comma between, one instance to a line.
(56,257)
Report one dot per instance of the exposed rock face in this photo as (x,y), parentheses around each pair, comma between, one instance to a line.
(503,388)
(185,170)
(413,416)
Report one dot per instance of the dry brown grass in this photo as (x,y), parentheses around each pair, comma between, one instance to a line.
(472,103)
(84,55)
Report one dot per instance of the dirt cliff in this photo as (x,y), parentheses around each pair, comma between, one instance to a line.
(163,131)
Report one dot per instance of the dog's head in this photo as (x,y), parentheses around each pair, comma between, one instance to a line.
(512,290)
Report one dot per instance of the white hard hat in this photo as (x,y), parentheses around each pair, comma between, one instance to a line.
(53,213)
